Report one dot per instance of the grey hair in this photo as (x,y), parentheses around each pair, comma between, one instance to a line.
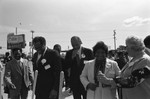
(135,43)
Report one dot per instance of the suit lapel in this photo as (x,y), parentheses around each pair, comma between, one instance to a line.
(92,69)
(39,60)
(82,52)
(42,56)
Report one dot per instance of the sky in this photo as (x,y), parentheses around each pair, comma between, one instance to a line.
(59,20)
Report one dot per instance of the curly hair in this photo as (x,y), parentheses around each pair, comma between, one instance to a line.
(100,45)
(135,43)
(15,49)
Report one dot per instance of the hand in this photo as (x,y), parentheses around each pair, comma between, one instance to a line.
(74,53)
(30,87)
(103,79)
(53,94)
(91,86)
(12,86)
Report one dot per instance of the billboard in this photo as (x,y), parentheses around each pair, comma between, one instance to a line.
(15,41)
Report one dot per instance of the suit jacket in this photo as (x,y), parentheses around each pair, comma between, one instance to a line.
(15,75)
(49,67)
(111,71)
(147,51)
(142,90)
(86,54)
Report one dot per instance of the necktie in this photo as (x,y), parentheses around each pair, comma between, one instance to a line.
(78,59)
(20,65)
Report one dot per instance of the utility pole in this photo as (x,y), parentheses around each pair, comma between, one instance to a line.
(31,42)
(16,30)
(114,39)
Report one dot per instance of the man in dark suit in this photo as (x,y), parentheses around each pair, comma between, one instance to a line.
(18,76)
(57,47)
(48,64)
(147,44)
(75,60)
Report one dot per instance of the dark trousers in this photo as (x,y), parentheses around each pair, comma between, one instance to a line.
(78,95)
(22,95)
(41,97)
(79,92)
(44,96)
(120,92)
(66,76)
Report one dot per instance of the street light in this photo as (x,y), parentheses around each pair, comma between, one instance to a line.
(17,28)
(31,42)
(114,39)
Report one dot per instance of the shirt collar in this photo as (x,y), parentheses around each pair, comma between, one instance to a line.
(79,50)
(21,60)
(43,52)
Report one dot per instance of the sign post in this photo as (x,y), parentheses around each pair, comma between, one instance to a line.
(61,84)
(34,84)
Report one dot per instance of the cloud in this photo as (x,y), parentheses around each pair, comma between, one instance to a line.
(136,21)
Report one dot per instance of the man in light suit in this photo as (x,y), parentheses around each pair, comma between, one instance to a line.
(75,60)
(18,76)
(48,64)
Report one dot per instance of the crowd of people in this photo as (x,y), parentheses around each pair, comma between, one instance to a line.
(88,73)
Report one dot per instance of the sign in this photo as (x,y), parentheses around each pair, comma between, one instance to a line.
(15,41)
